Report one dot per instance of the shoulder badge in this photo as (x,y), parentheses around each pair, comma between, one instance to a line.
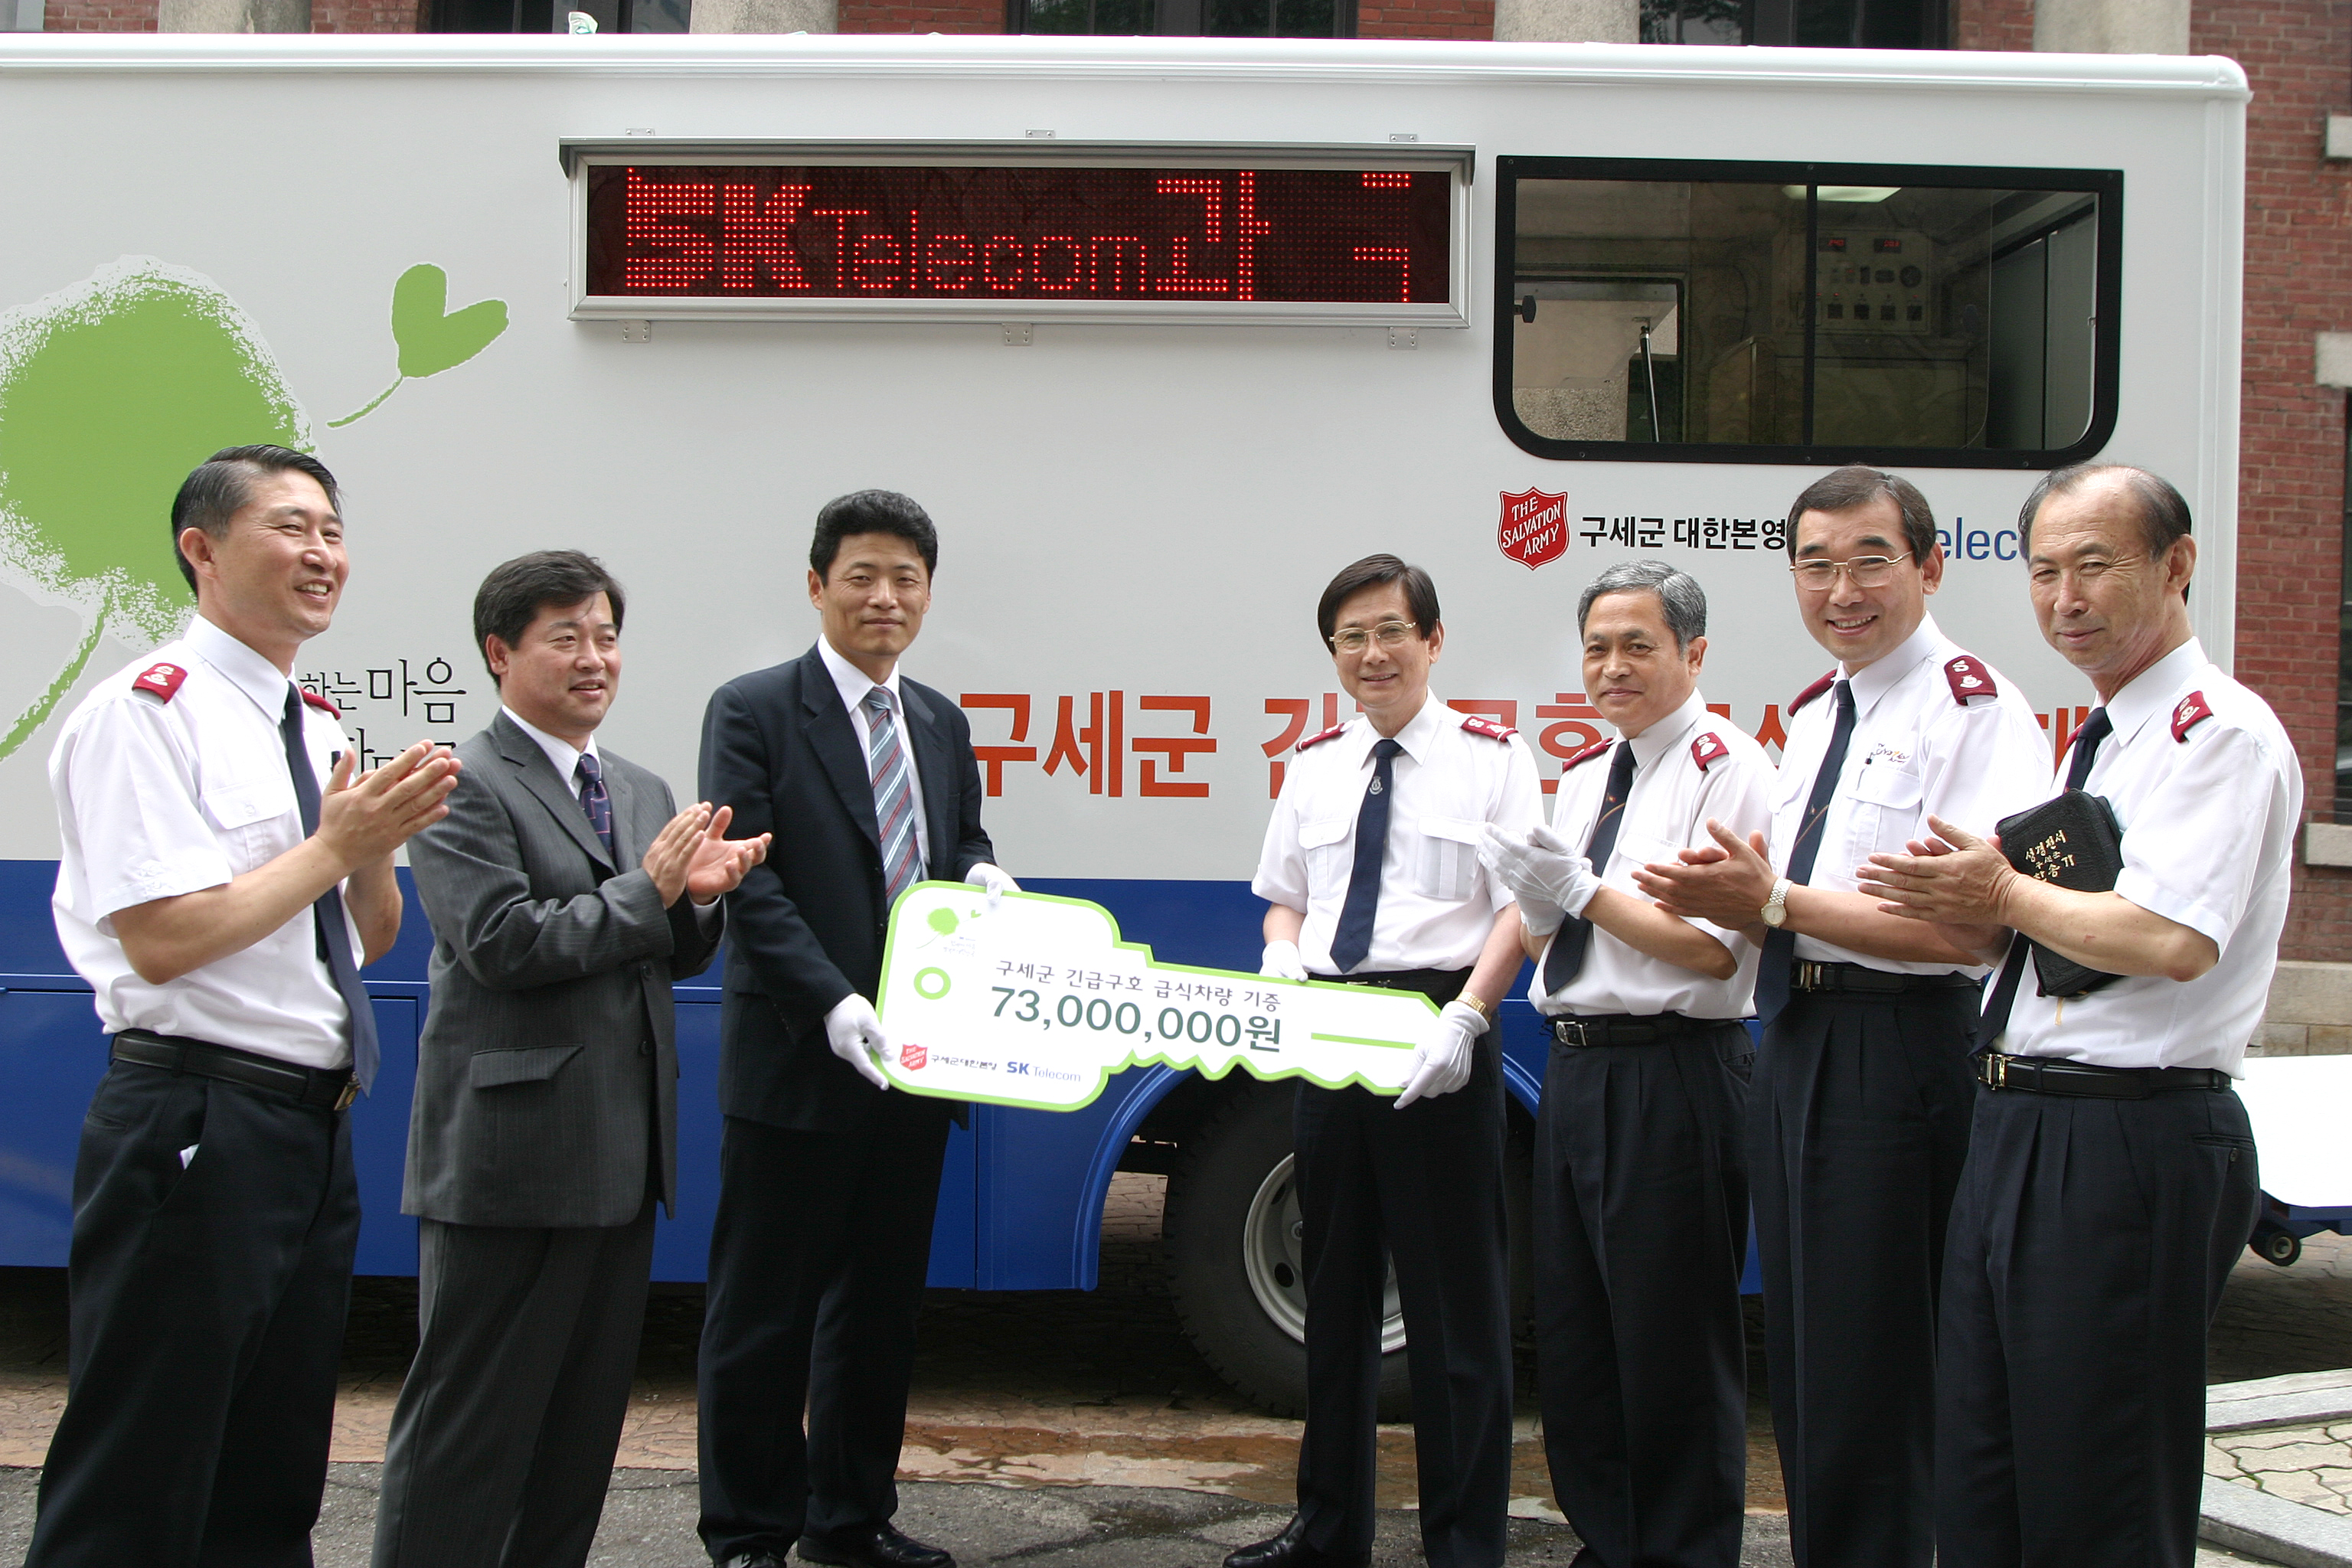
(1318,739)
(1598,749)
(1486,727)
(160,680)
(1970,679)
(1708,749)
(2187,713)
(321,703)
(1815,689)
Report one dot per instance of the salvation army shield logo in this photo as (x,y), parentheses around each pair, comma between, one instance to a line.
(1534,530)
(912,1058)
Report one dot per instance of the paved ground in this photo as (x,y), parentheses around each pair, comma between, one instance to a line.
(1042,1393)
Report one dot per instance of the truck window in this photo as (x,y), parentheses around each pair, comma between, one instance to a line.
(1749,312)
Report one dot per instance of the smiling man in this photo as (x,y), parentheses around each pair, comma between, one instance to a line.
(1640,1185)
(566,891)
(1858,1115)
(1371,877)
(224,874)
(827,1183)
(2111,1179)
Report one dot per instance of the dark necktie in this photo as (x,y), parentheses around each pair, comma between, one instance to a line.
(894,799)
(334,938)
(597,801)
(1995,1021)
(1780,947)
(1354,939)
(1567,954)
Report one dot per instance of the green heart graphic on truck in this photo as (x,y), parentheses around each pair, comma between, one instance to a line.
(112,389)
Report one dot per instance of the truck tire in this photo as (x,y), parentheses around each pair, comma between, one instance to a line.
(1231,1230)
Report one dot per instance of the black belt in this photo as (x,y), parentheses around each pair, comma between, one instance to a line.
(2056,1075)
(1437,985)
(1624,1029)
(1861,980)
(330,1088)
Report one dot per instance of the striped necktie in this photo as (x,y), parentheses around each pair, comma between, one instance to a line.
(894,797)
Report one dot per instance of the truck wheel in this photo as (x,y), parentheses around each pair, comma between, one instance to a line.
(2279,1247)
(1232,1233)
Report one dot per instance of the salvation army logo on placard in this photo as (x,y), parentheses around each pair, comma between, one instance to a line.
(1534,529)
(913,1058)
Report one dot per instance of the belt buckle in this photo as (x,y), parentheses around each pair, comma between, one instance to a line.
(351,1092)
(1571,1032)
(1992,1070)
(1809,974)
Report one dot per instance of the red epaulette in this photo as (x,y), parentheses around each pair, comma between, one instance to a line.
(1486,727)
(1318,739)
(1968,680)
(321,703)
(2187,713)
(1708,749)
(160,680)
(1810,692)
(1598,748)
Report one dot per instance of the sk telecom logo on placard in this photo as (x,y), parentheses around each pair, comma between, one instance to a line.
(1534,530)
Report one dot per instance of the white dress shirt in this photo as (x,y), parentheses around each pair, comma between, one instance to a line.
(563,755)
(853,684)
(159,798)
(1920,747)
(1437,905)
(2209,823)
(1667,811)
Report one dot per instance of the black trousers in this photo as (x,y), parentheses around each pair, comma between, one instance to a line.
(817,1261)
(1641,1234)
(1427,1181)
(1858,1125)
(2090,1243)
(207,1321)
(502,1443)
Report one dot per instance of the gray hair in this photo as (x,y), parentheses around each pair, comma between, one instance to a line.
(1679,594)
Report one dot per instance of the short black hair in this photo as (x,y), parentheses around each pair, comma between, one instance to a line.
(514,593)
(1420,592)
(872,511)
(2163,511)
(1843,489)
(220,485)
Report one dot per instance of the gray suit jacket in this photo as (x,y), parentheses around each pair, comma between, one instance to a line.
(546,1072)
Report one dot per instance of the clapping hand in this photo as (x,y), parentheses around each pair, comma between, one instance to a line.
(719,862)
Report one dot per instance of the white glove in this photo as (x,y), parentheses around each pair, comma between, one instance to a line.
(1282,962)
(1546,876)
(992,881)
(1445,1066)
(856,1038)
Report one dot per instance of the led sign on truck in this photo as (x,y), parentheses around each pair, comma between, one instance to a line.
(1134,240)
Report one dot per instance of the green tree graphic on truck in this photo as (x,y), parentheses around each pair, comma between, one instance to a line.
(112,390)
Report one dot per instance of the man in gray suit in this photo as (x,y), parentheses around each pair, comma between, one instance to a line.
(566,892)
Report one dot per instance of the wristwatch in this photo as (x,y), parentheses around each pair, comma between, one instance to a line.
(1776,908)
(1475,1006)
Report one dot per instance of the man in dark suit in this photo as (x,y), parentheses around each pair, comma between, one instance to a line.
(826,1182)
(566,892)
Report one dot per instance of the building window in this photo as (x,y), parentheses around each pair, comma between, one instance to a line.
(1806,314)
(1808,23)
(553,15)
(1186,19)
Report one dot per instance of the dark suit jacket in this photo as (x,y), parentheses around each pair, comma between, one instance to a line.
(546,1072)
(807,925)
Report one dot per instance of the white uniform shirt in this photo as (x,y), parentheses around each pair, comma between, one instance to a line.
(560,754)
(2209,822)
(1672,798)
(1437,904)
(156,798)
(1924,742)
(853,684)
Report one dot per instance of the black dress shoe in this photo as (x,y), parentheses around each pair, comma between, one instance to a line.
(753,1560)
(1290,1550)
(872,1546)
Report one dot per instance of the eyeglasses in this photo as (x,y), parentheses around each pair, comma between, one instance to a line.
(2085,573)
(1388,633)
(1867,571)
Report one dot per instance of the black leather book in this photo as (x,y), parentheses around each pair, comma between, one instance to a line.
(2076,842)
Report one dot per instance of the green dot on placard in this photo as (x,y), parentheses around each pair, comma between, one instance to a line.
(932,984)
(943,921)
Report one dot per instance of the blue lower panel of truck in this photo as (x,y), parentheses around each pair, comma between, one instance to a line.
(1020,1202)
